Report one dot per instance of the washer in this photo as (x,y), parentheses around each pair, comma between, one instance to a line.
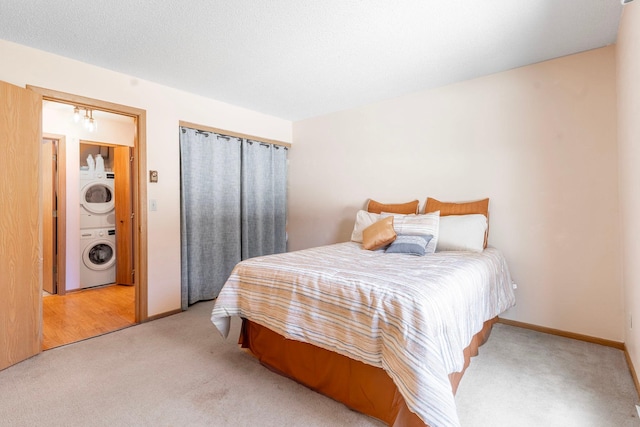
(97,199)
(98,265)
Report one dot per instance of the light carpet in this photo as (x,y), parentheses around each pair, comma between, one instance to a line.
(178,371)
(525,378)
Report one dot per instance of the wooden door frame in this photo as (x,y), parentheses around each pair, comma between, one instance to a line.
(139,183)
(48,155)
(61,215)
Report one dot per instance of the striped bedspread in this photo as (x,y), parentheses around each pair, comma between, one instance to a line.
(410,315)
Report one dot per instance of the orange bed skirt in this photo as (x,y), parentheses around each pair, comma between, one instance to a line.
(361,387)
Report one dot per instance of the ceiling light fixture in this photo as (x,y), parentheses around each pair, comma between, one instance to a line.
(85,122)
(92,124)
(88,121)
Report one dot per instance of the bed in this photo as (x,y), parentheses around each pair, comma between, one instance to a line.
(388,334)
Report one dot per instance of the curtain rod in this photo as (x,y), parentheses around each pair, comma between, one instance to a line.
(234,134)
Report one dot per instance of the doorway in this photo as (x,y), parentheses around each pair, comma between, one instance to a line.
(54,216)
(101,301)
(132,217)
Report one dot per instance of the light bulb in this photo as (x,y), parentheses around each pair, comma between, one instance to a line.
(76,114)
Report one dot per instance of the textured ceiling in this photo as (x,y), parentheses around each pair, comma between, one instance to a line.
(301,58)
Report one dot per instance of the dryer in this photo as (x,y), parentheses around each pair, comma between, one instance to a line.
(98,262)
(97,199)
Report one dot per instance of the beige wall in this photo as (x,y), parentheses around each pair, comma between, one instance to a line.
(628,57)
(165,108)
(540,141)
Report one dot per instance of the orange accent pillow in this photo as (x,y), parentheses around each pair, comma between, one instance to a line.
(398,208)
(378,234)
(465,208)
(449,208)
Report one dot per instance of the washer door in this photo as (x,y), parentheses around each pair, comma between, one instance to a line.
(99,255)
(97,197)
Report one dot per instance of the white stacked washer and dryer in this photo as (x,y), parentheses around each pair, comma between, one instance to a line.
(97,225)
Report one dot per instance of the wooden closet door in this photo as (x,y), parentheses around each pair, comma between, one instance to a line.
(20,224)
(124,220)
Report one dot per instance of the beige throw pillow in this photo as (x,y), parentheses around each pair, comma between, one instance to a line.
(378,234)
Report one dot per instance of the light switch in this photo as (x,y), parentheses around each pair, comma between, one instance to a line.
(153,176)
(153,205)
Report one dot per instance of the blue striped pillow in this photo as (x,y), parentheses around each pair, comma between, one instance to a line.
(413,244)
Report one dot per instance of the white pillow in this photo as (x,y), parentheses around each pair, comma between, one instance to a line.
(363,220)
(425,225)
(462,233)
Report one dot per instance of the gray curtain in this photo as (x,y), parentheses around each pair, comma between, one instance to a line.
(233,207)
(264,190)
(210,212)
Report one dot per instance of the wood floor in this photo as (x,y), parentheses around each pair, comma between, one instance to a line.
(87,313)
